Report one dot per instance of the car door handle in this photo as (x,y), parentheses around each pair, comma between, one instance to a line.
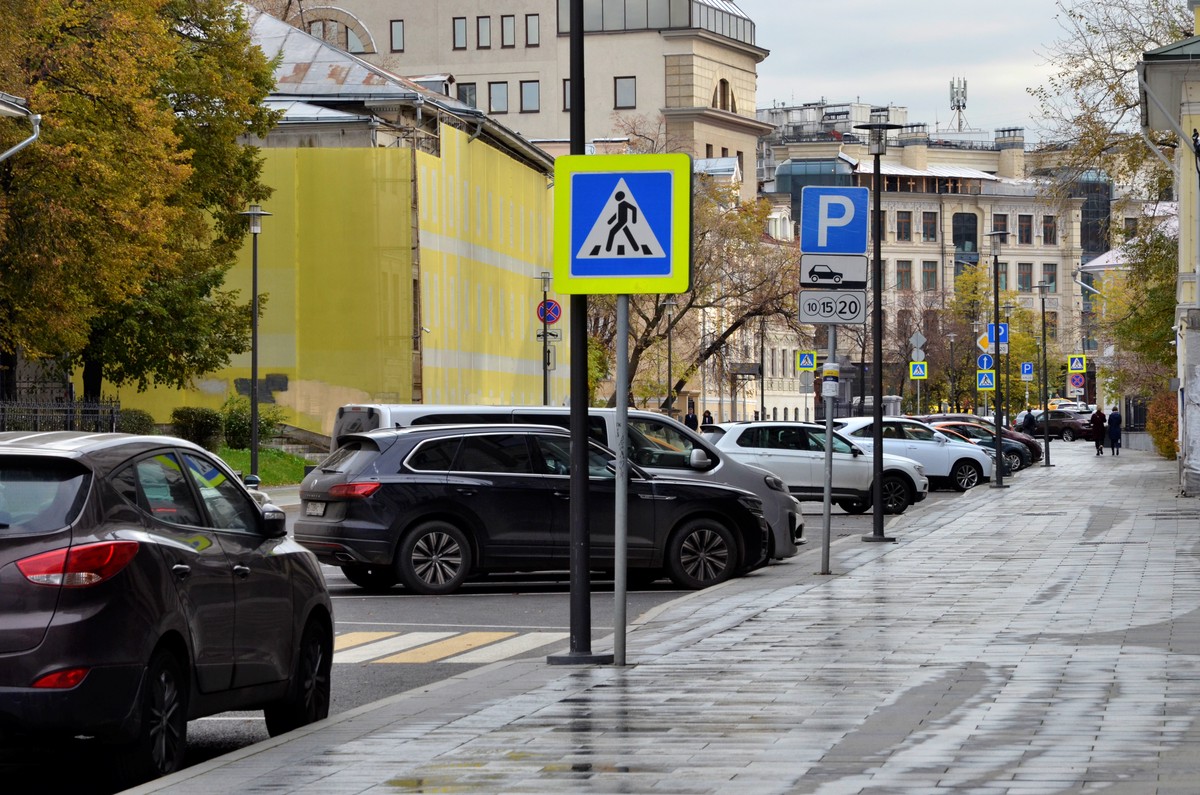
(241,571)
(181,570)
(467,492)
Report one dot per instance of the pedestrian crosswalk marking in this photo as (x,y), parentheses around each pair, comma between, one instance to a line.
(447,647)
(454,645)
(509,648)
(388,646)
(621,231)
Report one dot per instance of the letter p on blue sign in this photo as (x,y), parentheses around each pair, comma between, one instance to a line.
(833,220)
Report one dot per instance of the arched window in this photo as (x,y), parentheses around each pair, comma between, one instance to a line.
(337,27)
(723,98)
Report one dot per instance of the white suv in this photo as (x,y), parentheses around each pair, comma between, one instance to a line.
(959,465)
(795,451)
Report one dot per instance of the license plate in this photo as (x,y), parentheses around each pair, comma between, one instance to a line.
(314,509)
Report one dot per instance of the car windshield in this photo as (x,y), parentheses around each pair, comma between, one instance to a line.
(39,495)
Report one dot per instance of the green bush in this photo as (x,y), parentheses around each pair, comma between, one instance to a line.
(135,421)
(201,426)
(235,419)
(1162,423)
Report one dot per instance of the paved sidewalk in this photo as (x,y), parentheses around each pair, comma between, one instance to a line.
(1042,638)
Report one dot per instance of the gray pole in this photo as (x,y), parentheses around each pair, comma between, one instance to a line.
(1042,287)
(997,239)
(830,403)
(621,511)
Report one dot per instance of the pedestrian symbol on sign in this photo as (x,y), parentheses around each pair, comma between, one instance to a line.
(806,360)
(1077,364)
(985,379)
(621,230)
(917,370)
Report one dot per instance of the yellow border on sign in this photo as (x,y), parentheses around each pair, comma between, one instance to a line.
(912,371)
(991,388)
(1071,360)
(800,354)
(679,280)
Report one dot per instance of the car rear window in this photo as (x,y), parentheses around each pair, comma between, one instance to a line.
(353,457)
(39,495)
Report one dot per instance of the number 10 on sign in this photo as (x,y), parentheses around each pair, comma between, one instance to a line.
(833,306)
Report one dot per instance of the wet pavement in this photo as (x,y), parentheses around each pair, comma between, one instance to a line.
(1041,638)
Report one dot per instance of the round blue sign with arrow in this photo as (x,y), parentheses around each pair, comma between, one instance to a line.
(985,361)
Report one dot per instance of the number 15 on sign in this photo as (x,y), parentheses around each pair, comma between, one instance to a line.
(833,306)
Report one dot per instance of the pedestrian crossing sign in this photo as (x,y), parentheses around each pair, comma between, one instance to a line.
(1077,363)
(917,370)
(985,380)
(622,224)
(806,360)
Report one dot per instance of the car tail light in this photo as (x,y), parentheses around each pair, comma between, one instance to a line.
(354,491)
(62,680)
(78,567)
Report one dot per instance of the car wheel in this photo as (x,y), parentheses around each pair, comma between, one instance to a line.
(307,700)
(965,475)
(159,747)
(854,506)
(373,578)
(1068,435)
(700,554)
(896,498)
(1014,461)
(434,559)
(837,279)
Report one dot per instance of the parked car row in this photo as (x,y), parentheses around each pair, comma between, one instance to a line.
(1065,424)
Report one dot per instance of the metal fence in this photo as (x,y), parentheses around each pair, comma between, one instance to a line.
(28,415)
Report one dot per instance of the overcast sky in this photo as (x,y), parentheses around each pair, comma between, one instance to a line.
(906,53)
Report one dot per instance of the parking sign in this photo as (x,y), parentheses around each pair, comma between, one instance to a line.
(833,220)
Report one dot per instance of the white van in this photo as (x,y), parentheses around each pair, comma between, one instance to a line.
(657,443)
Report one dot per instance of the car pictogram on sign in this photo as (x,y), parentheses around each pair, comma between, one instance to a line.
(823,273)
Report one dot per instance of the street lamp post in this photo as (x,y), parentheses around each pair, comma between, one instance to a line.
(877,146)
(950,335)
(997,398)
(669,304)
(255,215)
(1042,287)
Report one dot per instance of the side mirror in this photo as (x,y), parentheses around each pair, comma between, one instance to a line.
(274,521)
(699,459)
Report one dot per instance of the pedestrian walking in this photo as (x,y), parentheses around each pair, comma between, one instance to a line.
(1098,420)
(706,419)
(1029,424)
(1114,430)
(691,420)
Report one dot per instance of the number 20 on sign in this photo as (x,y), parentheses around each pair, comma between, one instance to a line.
(833,306)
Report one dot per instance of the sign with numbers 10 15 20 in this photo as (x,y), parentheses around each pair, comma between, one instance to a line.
(833,306)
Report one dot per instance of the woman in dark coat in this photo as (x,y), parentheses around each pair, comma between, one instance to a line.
(1114,431)
(1098,429)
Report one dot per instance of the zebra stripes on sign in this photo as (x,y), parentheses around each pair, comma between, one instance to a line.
(447,647)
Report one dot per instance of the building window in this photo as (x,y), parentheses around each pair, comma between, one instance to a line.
(1002,275)
(624,92)
(1052,325)
(903,274)
(929,269)
(397,35)
(929,227)
(466,93)
(1050,275)
(531,96)
(566,94)
(1025,229)
(1000,223)
(483,33)
(497,97)
(1049,230)
(1025,277)
(508,31)
(904,225)
(1131,227)
(460,33)
(708,151)
(533,30)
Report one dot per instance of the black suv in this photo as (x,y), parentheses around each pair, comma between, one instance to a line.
(429,506)
(142,586)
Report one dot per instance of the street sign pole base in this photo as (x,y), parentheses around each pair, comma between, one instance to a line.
(576,658)
(874,537)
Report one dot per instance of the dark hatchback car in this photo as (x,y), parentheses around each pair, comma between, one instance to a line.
(429,506)
(142,586)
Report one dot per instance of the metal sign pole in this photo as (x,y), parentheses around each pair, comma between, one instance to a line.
(829,393)
(621,512)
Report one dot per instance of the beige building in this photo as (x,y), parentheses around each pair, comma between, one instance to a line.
(687,65)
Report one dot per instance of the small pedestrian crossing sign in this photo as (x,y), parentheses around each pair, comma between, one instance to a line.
(1077,363)
(806,360)
(917,370)
(985,379)
(622,224)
